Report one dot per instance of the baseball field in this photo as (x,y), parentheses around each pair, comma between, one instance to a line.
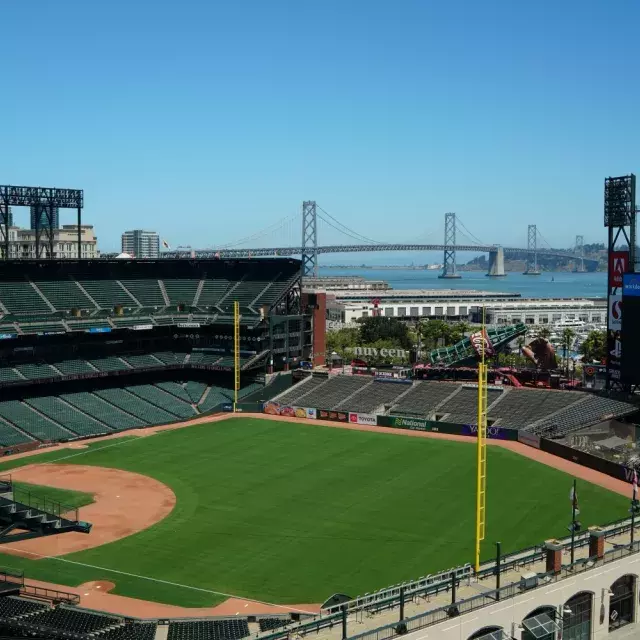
(287,512)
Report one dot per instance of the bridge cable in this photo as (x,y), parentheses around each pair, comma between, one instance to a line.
(470,235)
(349,232)
(273,227)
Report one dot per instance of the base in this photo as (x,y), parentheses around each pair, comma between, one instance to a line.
(454,276)
(532,273)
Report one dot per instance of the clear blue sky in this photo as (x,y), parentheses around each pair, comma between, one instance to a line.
(207,120)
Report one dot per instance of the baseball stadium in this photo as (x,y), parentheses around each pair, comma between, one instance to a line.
(179,463)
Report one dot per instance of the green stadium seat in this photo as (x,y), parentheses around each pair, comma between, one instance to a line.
(108,293)
(142,361)
(176,389)
(163,400)
(9,374)
(136,406)
(19,297)
(110,363)
(64,295)
(181,291)
(216,396)
(24,417)
(36,371)
(9,436)
(146,291)
(104,411)
(74,367)
(68,416)
(195,390)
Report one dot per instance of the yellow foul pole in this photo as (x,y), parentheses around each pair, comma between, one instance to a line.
(482,448)
(236,353)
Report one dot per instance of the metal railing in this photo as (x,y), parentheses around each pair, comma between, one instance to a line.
(506,592)
(34,501)
(52,595)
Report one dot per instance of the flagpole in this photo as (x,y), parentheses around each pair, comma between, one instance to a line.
(573,521)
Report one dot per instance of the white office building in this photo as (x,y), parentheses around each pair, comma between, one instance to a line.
(141,244)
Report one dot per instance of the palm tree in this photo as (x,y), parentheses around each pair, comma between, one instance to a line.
(568,336)
(544,332)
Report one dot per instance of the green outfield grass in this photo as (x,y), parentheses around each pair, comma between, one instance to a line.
(292,513)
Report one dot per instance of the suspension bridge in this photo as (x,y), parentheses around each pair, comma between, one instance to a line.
(309,249)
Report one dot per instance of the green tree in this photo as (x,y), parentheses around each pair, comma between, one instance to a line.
(544,332)
(594,346)
(377,328)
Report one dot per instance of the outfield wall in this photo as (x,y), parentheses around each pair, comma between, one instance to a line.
(608,467)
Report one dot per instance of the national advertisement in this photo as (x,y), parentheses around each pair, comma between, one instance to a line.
(415,424)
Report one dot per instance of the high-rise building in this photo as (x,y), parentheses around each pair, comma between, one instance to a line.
(43,213)
(141,244)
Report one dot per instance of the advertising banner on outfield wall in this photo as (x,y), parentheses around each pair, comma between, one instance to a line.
(334,416)
(529,439)
(287,411)
(363,418)
(494,433)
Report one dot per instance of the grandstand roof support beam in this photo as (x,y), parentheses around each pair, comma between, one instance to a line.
(309,239)
(449,267)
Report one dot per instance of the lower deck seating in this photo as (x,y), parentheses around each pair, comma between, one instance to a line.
(268,624)
(209,630)
(132,404)
(10,436)
(73,367)
(111,363)
(135,631)
(102,410)
(372,396)
(216,396)
(69,416)
(163,400)
(176,389)
(195,390)
(142,360)
(72,620)
(33,423)
(13,606)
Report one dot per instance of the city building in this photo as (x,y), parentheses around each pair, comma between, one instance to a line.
(347,305)
(22,242)
(141,244)
(42,214)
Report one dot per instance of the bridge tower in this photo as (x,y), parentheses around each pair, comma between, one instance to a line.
(449,267)
(579,251)
(532,251)
(309,239)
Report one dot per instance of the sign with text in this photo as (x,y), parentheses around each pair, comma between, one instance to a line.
(631,284)
(480,342)
(615,312)
(618,266)
(363,418)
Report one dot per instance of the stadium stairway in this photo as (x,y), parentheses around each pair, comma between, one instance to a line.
(34,522)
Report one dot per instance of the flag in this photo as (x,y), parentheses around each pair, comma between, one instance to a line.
(165,244)
(573,496)
(635,484)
